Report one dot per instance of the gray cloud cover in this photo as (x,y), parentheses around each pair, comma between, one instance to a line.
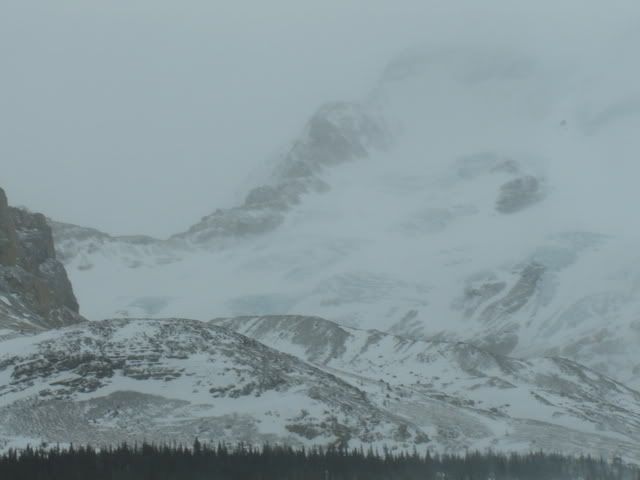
(141,116)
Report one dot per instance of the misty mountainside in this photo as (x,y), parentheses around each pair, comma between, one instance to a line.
(158,380)
(35,292)
(473,195)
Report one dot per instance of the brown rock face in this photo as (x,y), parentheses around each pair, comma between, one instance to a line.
(35,290)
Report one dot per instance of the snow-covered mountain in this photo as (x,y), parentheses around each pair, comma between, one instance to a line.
(476,194)
(117,380)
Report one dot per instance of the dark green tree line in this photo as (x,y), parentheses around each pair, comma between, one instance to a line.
(242,462)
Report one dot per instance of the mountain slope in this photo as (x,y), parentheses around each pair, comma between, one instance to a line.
(500,215)
(464,396)
(123,380)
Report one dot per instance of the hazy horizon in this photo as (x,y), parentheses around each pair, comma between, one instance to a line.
(141,117)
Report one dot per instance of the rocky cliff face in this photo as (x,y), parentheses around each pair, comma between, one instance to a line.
(35,292)
(8,240)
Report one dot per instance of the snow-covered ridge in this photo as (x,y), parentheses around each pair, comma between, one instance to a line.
(122,380)
(519,401)
(132,379)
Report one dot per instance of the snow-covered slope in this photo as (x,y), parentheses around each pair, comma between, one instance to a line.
(172,380)
(121,380)
(464,396)
(500,214)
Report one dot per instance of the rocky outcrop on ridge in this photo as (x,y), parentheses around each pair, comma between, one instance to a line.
(337,133)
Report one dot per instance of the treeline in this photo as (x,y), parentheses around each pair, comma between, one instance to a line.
(203,462)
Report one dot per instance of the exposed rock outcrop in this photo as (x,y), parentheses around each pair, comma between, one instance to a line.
(519,194)
(8,240)
(35,291)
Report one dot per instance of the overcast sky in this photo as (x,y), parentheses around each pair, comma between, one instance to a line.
(141,116)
